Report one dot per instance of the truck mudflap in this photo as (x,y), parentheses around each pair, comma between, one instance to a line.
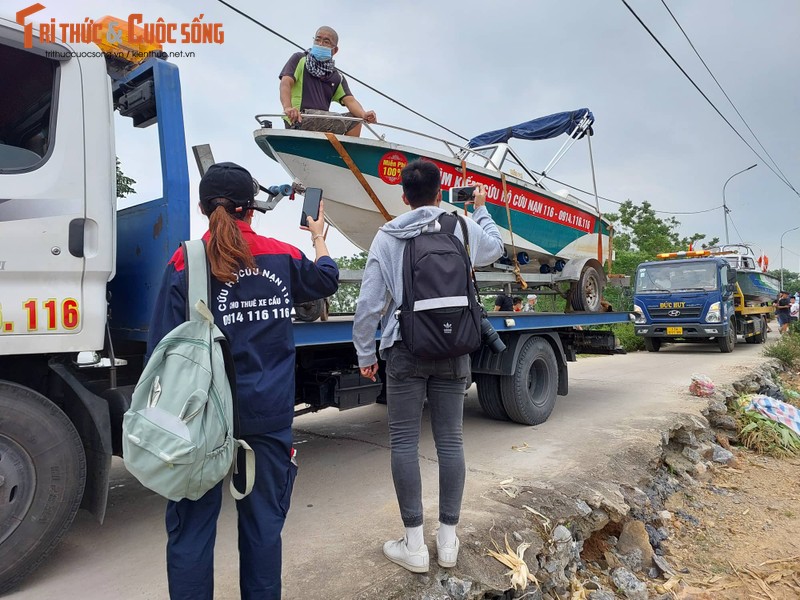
(90,415)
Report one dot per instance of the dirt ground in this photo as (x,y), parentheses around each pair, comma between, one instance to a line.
(746,541)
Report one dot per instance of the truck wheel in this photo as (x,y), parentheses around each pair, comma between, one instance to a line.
(652,344)
(727,343)
(490,397)
(585,295)
(529,395)
(42,475)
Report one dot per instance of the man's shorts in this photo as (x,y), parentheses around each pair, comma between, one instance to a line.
(782,317)
(337,126)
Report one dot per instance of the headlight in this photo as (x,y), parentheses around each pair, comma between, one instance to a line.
(639,315)
(713,316)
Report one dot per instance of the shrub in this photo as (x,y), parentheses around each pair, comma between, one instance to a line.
(627,337)
(786,350)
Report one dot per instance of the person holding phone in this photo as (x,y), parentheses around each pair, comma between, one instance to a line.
(411,380)
(264,359)
(309,84)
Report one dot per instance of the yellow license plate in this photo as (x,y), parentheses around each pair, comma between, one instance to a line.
(674,330)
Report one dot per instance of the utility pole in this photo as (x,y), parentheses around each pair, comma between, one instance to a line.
(725,206)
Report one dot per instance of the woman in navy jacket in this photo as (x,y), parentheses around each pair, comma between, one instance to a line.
(255,281)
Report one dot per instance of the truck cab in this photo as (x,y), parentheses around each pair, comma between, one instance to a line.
(688,299)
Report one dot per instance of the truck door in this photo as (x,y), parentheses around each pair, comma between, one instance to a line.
(55,232)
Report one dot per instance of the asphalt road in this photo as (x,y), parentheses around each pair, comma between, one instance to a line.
(344,508)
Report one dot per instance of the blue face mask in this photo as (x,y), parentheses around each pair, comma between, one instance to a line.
(321,53)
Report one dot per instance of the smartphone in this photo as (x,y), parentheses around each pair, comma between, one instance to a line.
(310,206)
(459,195)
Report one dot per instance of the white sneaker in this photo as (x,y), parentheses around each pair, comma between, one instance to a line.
(447,555)
(397,551)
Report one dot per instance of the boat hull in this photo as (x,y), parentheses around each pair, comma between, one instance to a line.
(758,287)
(544,226)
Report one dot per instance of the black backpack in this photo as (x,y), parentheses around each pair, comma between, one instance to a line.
(440,316)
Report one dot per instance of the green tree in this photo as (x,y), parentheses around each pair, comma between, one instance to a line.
(344,300)
(124,183)
(640,234)
(791,280)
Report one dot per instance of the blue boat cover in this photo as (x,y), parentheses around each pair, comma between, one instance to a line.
(537,129)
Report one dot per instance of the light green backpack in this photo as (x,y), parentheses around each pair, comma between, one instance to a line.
(178,435)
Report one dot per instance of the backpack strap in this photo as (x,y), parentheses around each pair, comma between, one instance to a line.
(197,280)
(465,233)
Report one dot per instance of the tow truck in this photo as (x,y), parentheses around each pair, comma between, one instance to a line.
(694,296)
(78,281)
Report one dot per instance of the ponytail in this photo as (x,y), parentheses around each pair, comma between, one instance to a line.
(227,249)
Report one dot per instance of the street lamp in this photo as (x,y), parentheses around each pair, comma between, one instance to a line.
(724,205)
(783,234)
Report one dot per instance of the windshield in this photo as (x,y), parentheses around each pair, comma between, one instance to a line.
(671,277)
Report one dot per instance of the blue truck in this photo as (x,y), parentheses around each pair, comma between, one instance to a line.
(694,296)
(78,280)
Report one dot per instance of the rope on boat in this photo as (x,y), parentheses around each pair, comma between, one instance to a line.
(517,272)
(337,145)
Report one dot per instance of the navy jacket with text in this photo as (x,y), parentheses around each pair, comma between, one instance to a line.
(254,313)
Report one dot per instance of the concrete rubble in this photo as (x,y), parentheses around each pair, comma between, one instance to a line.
(616,526)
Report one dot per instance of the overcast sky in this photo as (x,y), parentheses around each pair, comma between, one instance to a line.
(477,66)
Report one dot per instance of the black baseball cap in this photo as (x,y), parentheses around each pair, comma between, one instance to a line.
(227,180)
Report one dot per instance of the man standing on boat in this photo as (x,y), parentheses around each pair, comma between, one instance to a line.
(310,82)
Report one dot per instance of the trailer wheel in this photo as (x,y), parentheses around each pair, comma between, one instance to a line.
(311,311)
(490,397)
(652,344)
(587,292)
(42,475)
(727,343)
(529,395)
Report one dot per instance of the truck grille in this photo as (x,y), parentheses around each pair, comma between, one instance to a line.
(691,312)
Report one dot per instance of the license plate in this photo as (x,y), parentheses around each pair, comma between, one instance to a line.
(674,330)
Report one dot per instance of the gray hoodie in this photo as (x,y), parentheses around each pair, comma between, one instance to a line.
(382,286)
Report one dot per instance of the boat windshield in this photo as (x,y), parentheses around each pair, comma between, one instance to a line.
(671,277)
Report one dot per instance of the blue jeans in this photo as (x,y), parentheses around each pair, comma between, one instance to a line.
(192,528)
(410,380)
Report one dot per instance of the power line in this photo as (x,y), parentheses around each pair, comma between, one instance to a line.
(735,229)
(682,70)
(786,179)
(260,24)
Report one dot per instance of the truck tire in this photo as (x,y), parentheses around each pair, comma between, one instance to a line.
(42,476)
(529,395)
(489,396)
(652,344)
(586,294)
(727,343)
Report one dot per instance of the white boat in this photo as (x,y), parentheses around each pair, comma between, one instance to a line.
(544,232)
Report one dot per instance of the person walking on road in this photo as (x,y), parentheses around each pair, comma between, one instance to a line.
(411,380)
(782,311)
(264,359)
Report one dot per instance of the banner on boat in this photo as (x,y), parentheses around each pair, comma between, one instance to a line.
(520,199)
